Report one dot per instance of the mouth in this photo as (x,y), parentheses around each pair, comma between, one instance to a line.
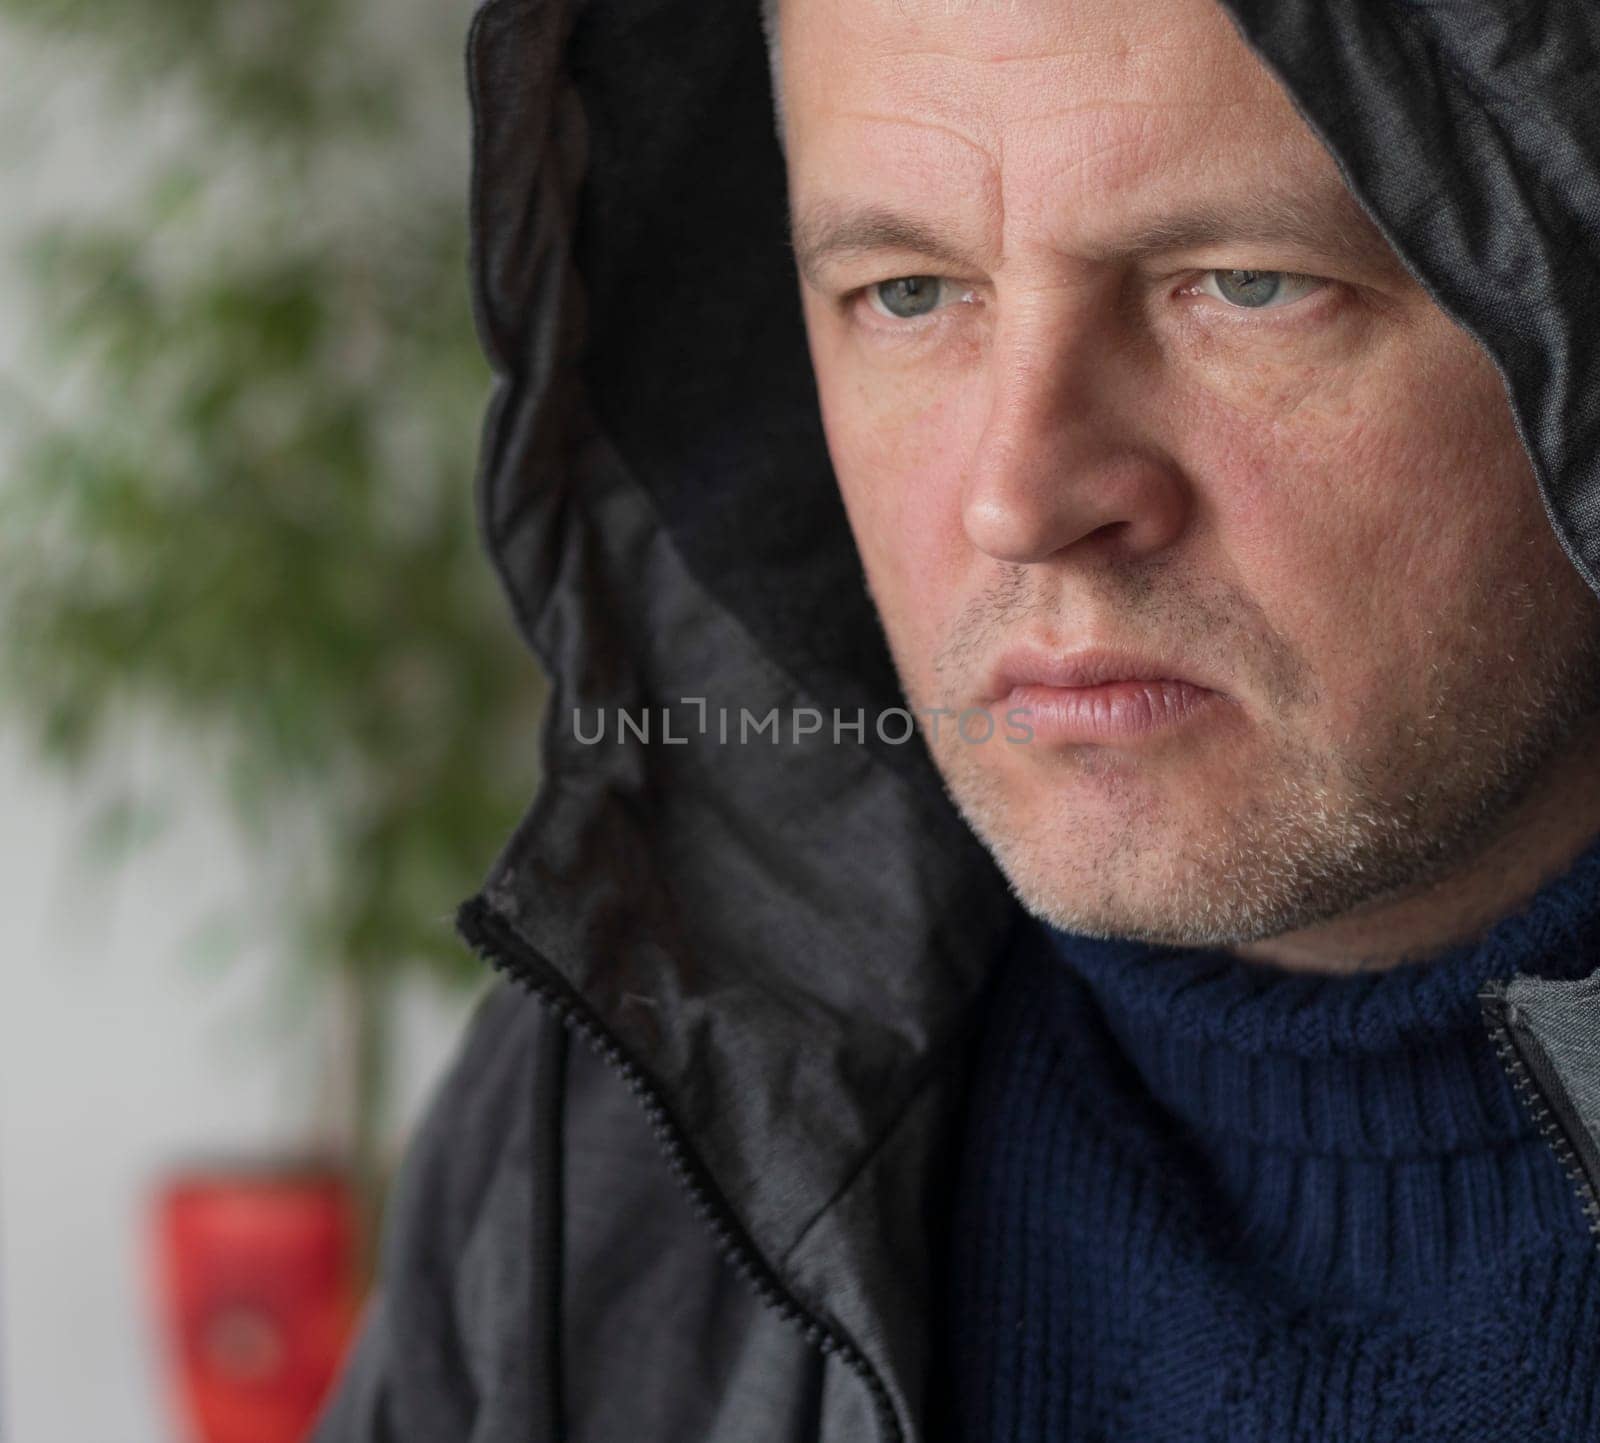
(1098,695)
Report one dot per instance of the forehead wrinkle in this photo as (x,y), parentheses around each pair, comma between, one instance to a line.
(1154,104)
(1057,90)
(1107,68)
(990,159)
(1292,193)
(831,227)
(1326,220)
(1120,54)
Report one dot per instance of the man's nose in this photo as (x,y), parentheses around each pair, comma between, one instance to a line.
(1066,453)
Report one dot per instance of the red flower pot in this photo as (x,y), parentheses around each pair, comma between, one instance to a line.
(258,1280)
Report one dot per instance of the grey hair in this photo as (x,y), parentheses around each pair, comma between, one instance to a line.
(769,28)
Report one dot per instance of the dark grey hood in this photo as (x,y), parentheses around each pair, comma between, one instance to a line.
(786,940)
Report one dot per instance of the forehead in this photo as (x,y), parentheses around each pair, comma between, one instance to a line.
(1018,107)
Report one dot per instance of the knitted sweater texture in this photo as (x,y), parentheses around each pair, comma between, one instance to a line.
(1203,1199)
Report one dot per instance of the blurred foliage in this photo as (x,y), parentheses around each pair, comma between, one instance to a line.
(241,497)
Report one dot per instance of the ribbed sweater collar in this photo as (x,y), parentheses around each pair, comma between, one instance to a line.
(1381,1064)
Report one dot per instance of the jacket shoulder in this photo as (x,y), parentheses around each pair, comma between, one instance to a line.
(452,1332)
(545,1276)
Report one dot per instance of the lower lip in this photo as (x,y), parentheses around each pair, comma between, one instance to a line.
(1115,711)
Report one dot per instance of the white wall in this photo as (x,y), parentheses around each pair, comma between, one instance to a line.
(118,1057)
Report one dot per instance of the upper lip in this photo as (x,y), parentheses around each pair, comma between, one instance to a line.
(1097,666)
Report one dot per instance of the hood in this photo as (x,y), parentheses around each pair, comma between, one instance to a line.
(787,939)
(784,939)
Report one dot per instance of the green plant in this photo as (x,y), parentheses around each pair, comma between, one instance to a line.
(241,490)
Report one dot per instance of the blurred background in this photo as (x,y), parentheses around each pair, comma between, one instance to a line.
(264,720)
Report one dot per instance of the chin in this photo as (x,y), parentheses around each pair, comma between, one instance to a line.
(1111,859)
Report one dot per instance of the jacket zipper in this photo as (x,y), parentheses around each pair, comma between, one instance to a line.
(1541,1092)
(493,939)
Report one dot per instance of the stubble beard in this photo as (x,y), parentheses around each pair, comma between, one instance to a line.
(1324,832)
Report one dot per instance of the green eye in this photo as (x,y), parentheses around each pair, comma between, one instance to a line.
(907,297)
(1258,290)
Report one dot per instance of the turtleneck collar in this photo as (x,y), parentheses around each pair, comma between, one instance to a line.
(1369,1064)
(1197,1172)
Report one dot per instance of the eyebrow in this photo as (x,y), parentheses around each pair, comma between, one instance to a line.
(1330,224)
(827,231)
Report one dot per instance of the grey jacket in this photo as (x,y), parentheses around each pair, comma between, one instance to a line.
(687,1179)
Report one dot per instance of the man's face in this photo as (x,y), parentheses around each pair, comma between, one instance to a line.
(1162,389)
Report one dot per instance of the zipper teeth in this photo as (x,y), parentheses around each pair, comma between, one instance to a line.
(1544,1118)
(481,927)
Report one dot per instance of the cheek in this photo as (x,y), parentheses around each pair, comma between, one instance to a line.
(1363,513)
(896,448)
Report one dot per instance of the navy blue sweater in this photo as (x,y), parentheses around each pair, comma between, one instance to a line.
(1202,1199)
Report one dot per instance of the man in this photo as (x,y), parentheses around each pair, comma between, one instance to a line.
(1209,398)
